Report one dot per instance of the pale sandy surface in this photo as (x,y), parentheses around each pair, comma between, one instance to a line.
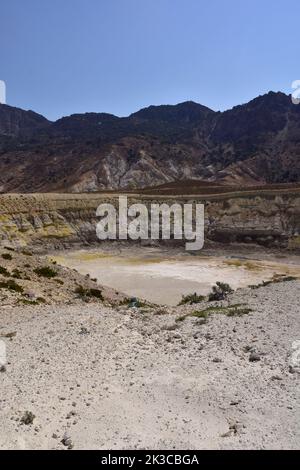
(164,275)
(129,380)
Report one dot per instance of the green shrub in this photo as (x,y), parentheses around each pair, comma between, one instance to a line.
(229,311)
(238,312)
(191,299)
(219,291)
(181,318)
(199,314)
(45,271)
(274,280)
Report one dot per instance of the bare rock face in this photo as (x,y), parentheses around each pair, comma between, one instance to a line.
(256,143)
(59,220)
(15,122)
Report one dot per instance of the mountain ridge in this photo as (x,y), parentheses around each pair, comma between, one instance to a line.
(254,143)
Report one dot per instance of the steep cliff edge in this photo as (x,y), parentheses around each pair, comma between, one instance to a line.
(43,221)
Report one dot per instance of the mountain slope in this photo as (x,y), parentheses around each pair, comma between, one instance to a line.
(254,143)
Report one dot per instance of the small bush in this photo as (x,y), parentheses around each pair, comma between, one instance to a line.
(133,302)
(16,273)
(276,279)
(26,253)
(191,299)
(27,302)
(181,318)
(27,418)
(39,300)
(238,312)
(219,291)
(4,271)
(96,293)
(45,271)
(229,311)
(11,285)
(199,314)
(59,281)
(6,256)
(83,292)
(9,248)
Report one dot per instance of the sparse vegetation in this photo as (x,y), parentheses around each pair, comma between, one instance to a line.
(219,291)
(96,293)
(191,299)
(16,273)
(275,279)
(26,253)
(27,418)
(229,311)
(199,314)
(45,271)
(133,302)
(11,285)
(7,256)
(81,291)
(39,300)
(238,312)
(86,292)
(4,271)
(181,318)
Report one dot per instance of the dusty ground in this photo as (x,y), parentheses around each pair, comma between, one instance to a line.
(163,275)
(24,281)
(101,377)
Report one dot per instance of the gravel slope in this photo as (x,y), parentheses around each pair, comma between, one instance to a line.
(97,377)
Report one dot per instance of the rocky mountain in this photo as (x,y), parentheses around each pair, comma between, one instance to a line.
(15,122)
(251,144)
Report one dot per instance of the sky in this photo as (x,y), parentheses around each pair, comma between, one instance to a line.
(60,57)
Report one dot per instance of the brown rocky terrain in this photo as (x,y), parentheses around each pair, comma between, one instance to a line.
(252,144)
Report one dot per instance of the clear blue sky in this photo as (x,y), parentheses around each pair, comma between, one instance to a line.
(59,57)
